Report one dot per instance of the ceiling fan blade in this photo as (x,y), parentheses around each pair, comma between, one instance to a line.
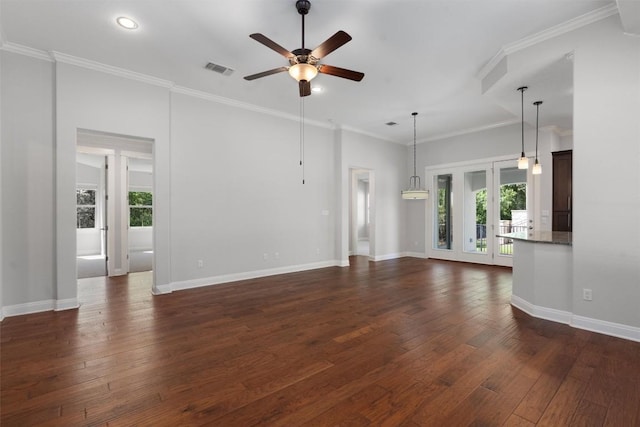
(305,88)
(266,73)
(261,38)
(341,72)
(331,44)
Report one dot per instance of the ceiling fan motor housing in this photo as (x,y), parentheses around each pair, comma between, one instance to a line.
(303,6)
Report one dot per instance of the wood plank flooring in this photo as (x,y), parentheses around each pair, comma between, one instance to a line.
(405,342)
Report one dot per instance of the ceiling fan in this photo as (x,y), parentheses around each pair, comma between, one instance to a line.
(304,63)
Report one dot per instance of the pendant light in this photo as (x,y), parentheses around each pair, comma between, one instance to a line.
(523,162)
(537,167)
(415,191)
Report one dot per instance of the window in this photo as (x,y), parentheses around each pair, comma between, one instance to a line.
(140,209)
(444,212)
(86,208)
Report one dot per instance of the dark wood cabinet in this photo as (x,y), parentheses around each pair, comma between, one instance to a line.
(562,190)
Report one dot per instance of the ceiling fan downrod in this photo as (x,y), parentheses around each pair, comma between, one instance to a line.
(303,7)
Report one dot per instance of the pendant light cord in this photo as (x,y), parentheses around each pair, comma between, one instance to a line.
(522,89)
(414,144)
(537,104)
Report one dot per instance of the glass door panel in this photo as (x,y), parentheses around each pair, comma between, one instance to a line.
(444,213)
(511,209)
(475,211)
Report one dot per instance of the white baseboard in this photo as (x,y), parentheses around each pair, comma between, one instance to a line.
(416,255)
(39,306)
(161,289)
(235,277)
(594,325)
(608,328)
(66,304)
(552,314)
(386,257)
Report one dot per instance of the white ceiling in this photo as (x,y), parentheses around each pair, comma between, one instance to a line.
(417,55)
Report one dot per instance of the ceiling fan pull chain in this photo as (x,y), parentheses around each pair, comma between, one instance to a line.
(302,137)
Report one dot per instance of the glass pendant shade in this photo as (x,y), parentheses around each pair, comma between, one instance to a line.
(303,71)
(537,168)
(523,162)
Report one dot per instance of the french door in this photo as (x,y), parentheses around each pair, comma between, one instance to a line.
(469,205)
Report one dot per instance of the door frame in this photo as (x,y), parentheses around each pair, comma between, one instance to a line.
(458,170)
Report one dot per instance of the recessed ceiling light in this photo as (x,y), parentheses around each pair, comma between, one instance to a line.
(127,23)
(317,89)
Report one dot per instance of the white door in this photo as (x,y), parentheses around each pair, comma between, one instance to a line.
(512,207)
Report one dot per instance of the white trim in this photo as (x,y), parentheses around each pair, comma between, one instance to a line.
(580,322)
(552,314)
(416,255)
(547,34)
(235,277)
(1,314)
(608,328)
(343,263)
(238,104)
(385,257)
(468,131)
(109,69)
(66,304)
(161,289)
(26,51)
(39,306)
(369,134)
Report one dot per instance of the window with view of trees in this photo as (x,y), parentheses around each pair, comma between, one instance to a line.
(85,208)
(140,209)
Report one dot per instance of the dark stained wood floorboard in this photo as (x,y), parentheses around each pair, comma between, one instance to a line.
(405,342)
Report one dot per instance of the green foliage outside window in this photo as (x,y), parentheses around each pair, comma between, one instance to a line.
(140,209)
(513,197)
(85,208)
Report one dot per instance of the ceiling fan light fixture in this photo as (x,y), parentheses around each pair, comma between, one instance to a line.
(127,23)
(303,71)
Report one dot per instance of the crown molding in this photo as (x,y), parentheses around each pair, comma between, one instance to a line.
(109,69)
(549,33)
(365,133)
(245,106)
(467,131)
(26,51)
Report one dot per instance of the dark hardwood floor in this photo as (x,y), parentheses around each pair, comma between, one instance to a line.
(405,342)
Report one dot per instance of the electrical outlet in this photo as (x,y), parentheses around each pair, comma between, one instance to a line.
(587,295)
(277,255)
(265,256)
(200,263)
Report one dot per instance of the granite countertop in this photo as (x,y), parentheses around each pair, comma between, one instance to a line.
(553,237)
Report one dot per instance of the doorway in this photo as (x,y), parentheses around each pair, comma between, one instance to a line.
(512,207)
(361,224)
(114,182)
(473,203)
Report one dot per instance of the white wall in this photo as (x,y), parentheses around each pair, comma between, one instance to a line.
(28,262)
(96,101)
(606,175)
(386,160)
(237,191)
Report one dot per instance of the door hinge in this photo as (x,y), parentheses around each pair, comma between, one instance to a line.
(106,259)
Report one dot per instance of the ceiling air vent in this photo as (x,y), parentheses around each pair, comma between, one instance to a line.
(221,69)
(391,123)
